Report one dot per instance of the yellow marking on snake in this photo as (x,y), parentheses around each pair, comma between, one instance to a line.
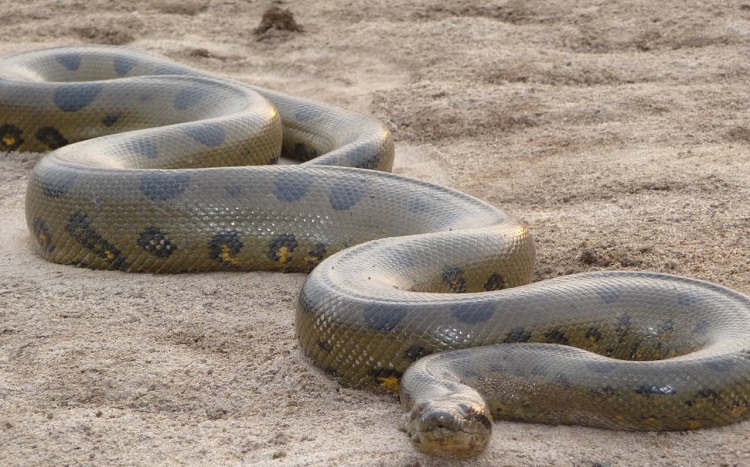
(186,177)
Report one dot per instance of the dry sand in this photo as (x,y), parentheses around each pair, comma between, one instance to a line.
(618,130)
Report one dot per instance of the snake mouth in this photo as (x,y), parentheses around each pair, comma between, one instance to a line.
(449,428)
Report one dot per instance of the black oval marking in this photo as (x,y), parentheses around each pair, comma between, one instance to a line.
(10,137)
(367,156)
(291,186)
(79,227)
(416,351)
(495,282)
(720,365)
(608,295)
(325,346)
(225,247)
(302,153)
(74,97)
(162,185)
(208,134)
(472,313)
(281,247)
(419,206)
(382,317)
(56,185)
(51,137)
(123,65)
(453,276)
(110,119)
(189,97)
(516,335)
(42,235)
(70,61)
(556,336)
(143,146)
(156,242)
(315,256)
(345,194)
(593,335)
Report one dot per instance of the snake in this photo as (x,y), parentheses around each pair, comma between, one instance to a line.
(414,288)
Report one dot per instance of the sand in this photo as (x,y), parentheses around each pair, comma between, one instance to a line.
(617,130)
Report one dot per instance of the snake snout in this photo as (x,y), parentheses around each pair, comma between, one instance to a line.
(451,428)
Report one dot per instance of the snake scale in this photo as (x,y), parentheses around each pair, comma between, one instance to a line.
(159,167)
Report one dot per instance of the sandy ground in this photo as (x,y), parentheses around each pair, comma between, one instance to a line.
(618,130)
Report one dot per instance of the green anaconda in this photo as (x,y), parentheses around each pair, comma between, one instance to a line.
(159,167)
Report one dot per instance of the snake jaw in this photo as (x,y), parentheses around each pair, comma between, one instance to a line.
(447,427)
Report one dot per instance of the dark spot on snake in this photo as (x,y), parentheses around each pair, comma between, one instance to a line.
(225,247)
(42,235)
(51,137)
(345,194)
(56,185)
(211,134)
(274,159)
(601,367)
(80,228)
(517,335)
(156,242)
(633,353)
(654,390)
(593,335)
(382,316)
(453,276)
(315,256)
(110,119)
(308,112)
(494,282)
(701,328)
(667,326)
(188,97)
(622,328)
(720,365)
(235,191)
(704,394)
(606,390)
(143,146)
(71,62)
(419,206)
(687,299)
(608,296)
(365,157)
(325,346)
(74,97)
(123,65)
(281,247)
(556,336)
(163,185)
(302,154)
(10,137)
(291,186)
(415,352)
(472,313)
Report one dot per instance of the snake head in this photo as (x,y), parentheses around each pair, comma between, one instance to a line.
(449,427)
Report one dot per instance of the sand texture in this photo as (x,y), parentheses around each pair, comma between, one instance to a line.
(618,131)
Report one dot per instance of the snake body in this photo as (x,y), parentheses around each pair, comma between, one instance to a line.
(154,169)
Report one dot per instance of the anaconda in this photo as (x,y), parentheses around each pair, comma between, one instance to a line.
(154,168)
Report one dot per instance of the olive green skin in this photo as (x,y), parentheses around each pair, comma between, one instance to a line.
(161,182)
